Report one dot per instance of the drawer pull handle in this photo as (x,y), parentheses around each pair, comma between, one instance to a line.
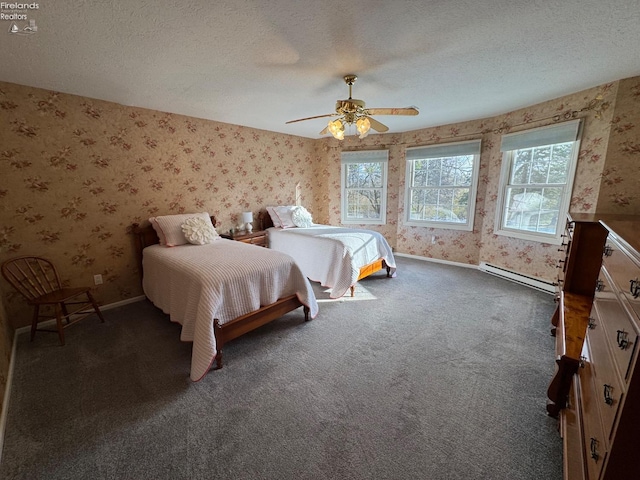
(599,285)
(594,449)
(608,399)
(634,288)
(592,323)
(608,251)
(623,343)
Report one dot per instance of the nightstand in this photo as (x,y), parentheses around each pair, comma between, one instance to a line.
(258,238)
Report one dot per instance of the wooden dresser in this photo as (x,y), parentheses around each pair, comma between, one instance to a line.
(600,425)
(578,269)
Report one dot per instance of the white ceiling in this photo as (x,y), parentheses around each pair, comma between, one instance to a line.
(260,63)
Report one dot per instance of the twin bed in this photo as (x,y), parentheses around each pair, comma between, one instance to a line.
(336,257)
(219,289)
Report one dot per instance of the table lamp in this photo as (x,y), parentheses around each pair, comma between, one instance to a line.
(247,217)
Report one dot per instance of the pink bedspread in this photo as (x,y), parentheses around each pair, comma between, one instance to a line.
(196,284)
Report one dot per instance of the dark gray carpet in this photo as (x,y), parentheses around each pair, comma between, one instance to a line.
(440,373)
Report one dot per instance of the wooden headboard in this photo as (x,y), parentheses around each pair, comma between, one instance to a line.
(264,220)
(147,236)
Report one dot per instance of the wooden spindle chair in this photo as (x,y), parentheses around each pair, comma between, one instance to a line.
(37,280)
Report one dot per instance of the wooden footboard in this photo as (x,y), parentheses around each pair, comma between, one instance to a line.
(372,268)
(246,323)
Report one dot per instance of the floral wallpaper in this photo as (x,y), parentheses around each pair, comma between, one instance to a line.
(610,114)
(620,182)
(77,172)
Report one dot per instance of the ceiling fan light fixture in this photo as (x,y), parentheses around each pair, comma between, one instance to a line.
(363,125)
(336,128)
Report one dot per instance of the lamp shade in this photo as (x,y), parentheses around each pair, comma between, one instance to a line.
(336,128)
(363,125)
(247,217)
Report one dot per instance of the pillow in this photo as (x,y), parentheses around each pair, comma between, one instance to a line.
(169,227)
(284,214)
(274,217)
(199,231)
(301,217)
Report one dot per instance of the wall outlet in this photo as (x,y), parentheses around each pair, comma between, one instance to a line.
(97,279)
(433,239)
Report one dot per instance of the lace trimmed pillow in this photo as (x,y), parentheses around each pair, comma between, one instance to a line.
(301,217)
(198,231)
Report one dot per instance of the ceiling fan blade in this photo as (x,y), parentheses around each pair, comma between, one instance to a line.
(393,111)
(311,118)
(324,131)
(377,126)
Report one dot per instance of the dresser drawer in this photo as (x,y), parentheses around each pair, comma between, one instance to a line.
(595,443)
(608,387)
(625,273)
(621,334)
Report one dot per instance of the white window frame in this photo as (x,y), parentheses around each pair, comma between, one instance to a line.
(471,147)
(364,156)
(538,137)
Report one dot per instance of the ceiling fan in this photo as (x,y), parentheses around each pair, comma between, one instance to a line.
(353,111)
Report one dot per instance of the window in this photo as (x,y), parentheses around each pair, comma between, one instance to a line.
(441,185)
(538,167)
(364,186)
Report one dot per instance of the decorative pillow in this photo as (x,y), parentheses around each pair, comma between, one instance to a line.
(169,227)
(274,217)
(198,231)
(301,217)
(284,214)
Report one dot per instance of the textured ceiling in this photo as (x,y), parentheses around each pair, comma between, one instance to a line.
(261,63)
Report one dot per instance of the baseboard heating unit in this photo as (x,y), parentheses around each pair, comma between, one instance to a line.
(532,282)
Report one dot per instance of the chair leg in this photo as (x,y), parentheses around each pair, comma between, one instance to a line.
(65,312)
(59,323)
(95,306)
(34,322)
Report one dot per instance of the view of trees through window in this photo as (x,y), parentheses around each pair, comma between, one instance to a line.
(537,182)
(364,189)
(440,189)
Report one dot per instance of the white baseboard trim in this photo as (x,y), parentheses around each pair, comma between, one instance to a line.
(533,282)
(513,276)
(7,394)
(108,306)
(436,260)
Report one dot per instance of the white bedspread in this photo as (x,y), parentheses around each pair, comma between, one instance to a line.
(196,284)
(331,255)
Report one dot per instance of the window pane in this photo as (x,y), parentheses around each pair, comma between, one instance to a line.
(364,175)
(559,164)
(521,167)
(533,209)
(363,203)
(433,172)
(464,173)
(420,173)
(540,165)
